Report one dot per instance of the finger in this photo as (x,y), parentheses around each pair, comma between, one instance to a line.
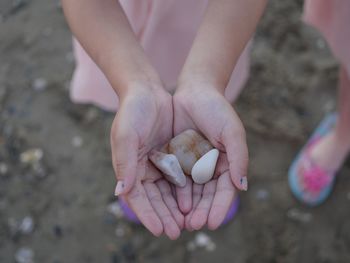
(223,198)
(125,159)
(235,144)
(196,197)
(201,213)
(170,227)
(170,202)
(138,201)
(184,196)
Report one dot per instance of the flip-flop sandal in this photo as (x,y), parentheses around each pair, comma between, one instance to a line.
(308,182)
(130,215)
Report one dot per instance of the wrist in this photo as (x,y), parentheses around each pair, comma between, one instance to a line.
(127,74)
(200,83)
(201,80)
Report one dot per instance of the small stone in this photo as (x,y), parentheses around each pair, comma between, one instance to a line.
(203,169)
(24,255)
(202,240)
(31,156)
(115,209)
(120,231)
(77,141)
(300,216)
(170,166)
(27,225)
(3,168)
(262,194)
(39,84)
(188,147)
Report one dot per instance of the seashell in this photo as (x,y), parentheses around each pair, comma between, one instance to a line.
(170,166)
(187,153)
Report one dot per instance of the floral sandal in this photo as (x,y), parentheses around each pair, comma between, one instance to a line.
(310,183)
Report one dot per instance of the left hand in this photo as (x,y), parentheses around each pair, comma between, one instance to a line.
(201,107)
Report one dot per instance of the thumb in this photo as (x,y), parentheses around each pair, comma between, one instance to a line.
(235,144)
(124,157)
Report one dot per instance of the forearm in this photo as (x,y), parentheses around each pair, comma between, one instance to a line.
(103,30)
(226,28)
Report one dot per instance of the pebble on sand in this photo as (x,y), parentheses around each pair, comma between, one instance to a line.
(39,84)
(77,141)
(27,225)
(31,156)
(24,255)
(201,240)
(115,209)
(3,169)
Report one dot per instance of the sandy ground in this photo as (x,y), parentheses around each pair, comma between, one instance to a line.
(66,196)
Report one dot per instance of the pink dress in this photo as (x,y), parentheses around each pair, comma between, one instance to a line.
(166,30)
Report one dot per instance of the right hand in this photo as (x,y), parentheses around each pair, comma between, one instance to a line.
(144,121)
(201,107)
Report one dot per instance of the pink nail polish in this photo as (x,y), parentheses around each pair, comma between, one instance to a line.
(119,188)
(244,183)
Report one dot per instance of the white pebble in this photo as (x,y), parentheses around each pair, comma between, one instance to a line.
(39,84)
(77,141)
(27,225)
(203,169)
(202,240)
(24,255)
(115,209)
(32,156)
(3,169)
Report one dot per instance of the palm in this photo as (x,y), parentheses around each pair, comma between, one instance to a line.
(214,117)
(143,122)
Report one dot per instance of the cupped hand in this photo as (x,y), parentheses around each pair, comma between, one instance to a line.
(203,108)
(144,121)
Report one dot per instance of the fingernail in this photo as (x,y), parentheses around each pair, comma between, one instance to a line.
(244,183)
(119,188)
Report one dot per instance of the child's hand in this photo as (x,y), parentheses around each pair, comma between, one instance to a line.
(201,107)
(144,121)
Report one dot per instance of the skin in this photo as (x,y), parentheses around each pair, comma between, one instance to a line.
(331,151)
(204,77)
(146,119)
